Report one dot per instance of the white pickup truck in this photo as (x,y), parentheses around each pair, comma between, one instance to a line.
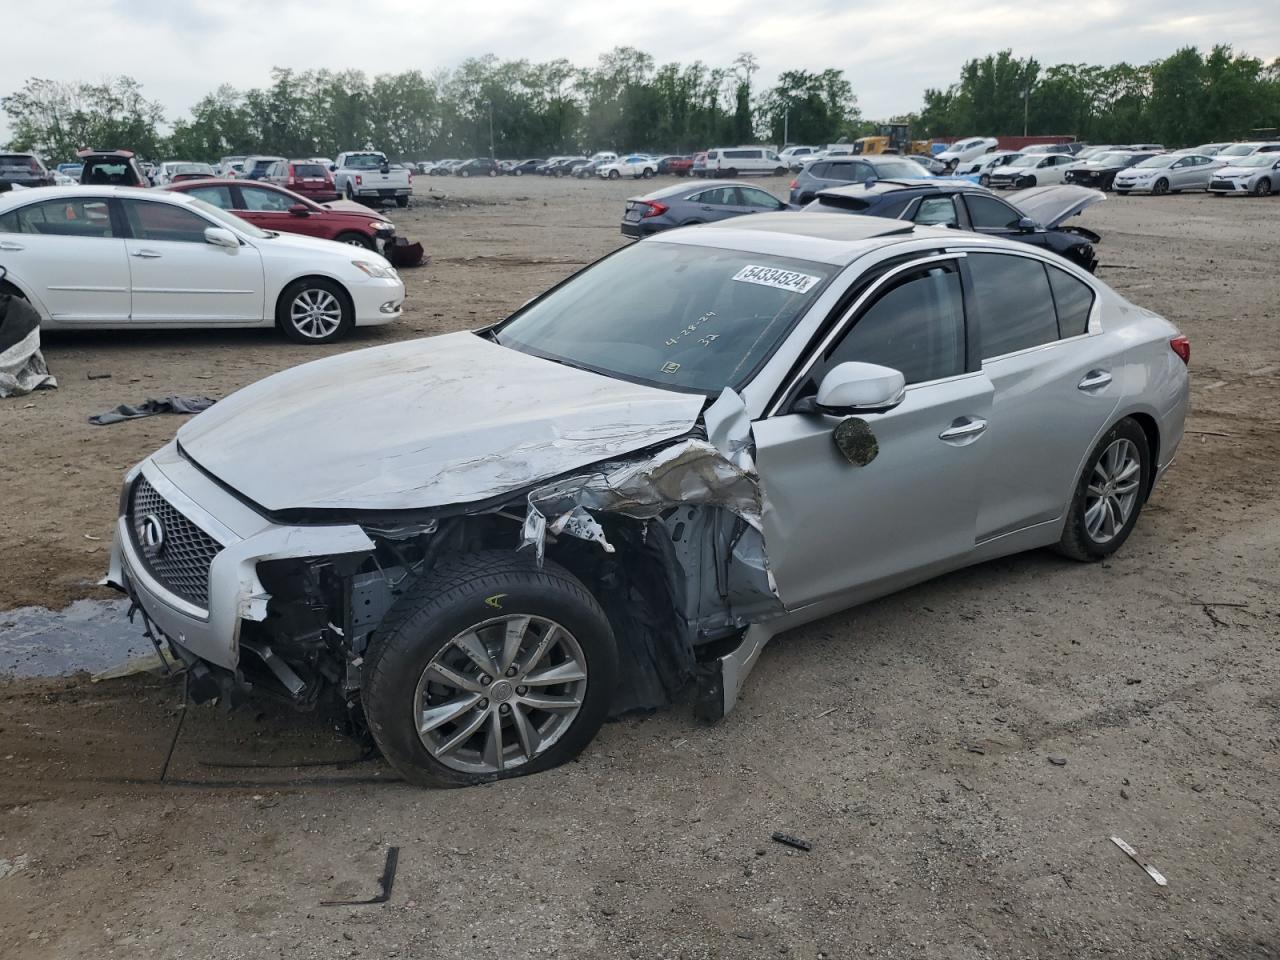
(366,175)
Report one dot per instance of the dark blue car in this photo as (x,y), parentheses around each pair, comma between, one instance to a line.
(689,203)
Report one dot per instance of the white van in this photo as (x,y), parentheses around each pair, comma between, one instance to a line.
(743,161)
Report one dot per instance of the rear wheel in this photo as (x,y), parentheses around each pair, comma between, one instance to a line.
(1262,188)
(614,175)
(491,667)
(315,310)
(648,173)
(1110,494)
(779,171)
(353,239)
(402,201)
(731,173)
(349,191)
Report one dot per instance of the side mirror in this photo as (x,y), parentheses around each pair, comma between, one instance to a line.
(854,387)
(299,210)
(1027,225)
(333,167)
(221,237)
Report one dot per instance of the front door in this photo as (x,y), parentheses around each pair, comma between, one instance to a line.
(69,255)
(179,277)
(842,527)
(269,209)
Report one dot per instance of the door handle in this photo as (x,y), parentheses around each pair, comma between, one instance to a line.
(10,245)
(964,428)
(145,254)
(1094,380)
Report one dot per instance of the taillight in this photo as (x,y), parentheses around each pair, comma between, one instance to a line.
(1182,347)
(794,184)
(292,181)
(359,180)
(654,209)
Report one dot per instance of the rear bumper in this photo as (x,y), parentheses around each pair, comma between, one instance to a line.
(235,592)
(637,231)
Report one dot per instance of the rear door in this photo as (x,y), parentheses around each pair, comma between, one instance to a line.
(1056,382)
(996,218)
(718,203)
(177,277)
(69,254)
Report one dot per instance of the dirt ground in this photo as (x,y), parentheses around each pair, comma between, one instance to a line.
(958,754)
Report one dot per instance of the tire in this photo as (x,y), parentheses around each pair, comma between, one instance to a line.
(460,595)
(493,173)
(1078,542)
(312,290)
(614,175)
(779,171)
(1122,193)
(350,193)
(1262,188)
(647,173)
(1158,189)
(353,239)
(402,201)
(1109,183)
(464,173)
(984,180)
(518,172)
(732,173)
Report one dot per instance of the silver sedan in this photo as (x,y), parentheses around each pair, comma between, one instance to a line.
(485,543)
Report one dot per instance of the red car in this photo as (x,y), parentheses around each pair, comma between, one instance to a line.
(304,177)
(274,208)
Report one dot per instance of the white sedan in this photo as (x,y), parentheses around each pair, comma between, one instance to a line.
(1031,170)
(633,166)
(122,257)
(1168,173)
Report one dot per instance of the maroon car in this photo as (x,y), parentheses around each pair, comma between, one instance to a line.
(304,177)
(270,207)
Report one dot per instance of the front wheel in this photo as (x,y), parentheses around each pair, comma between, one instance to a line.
(614,175)
(647,173)
(1122,193)
(493,173)
(984,180)
(1159,188)
(490,667)
(315,310)
(1112,489)
(353,239)
(465,173)
(518,172)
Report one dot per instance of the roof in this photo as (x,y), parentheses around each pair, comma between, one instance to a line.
(875,188)
(834,240)
(694,186)
(16,197)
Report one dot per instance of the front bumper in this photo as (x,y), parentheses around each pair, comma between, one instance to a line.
(247,538)
(1217,185)
(377,301)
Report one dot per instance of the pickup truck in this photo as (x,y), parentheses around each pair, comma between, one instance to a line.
(367,175)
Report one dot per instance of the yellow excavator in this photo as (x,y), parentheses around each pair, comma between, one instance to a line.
(892,137)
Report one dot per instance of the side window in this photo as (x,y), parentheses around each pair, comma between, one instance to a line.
(937,211)
(218,196)
(268,201)
(819,170)
(758,199)
(1013,302)
(917,327)
(71,217)
(164,222)
(1074,301)
(988,213)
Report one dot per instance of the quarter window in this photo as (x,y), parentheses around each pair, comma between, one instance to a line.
(1073,299)
(164,222)
(1013,302)
(917,327)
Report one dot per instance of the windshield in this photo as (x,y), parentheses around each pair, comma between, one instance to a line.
(900,168)
(670,314)
(1257,160)
(228,219)
(1164,161)
(1112,159)
(1238,150)
(1026,160)
(191,168)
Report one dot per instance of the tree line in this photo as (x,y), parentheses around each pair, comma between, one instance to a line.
(626,101)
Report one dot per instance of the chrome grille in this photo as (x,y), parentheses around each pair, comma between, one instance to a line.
(180,562)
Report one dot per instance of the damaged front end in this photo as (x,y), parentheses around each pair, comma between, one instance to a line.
(667,539)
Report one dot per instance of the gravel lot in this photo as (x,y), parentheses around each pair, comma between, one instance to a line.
(958,754)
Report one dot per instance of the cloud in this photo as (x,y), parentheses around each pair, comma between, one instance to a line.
(890,50)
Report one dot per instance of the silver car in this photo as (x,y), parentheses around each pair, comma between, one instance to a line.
(1258,174)
(1167,173)
(487,542)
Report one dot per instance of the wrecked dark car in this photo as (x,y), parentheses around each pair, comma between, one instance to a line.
(487,542)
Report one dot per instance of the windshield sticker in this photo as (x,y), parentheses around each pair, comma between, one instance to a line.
(672,341)
(787,280)
(670,367)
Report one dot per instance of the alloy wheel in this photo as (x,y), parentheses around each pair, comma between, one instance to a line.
(500,694)
(1113,491)
(315,313)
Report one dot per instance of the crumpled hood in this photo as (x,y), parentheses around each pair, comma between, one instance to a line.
(1049,206)
(426,423)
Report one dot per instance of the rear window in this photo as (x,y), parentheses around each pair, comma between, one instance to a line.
(12,161)
(309,170)
(364,161)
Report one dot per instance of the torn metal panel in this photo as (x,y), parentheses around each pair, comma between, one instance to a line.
(442,421)
(729,429)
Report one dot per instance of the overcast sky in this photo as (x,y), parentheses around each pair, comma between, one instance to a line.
(889,49)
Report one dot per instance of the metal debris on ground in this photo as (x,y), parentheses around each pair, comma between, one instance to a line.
(385,883)
(147,663)
(789,841)
(1058,761)
(1152,872)
(22,366)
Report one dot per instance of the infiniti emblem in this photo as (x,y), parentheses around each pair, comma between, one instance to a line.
(151,535)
